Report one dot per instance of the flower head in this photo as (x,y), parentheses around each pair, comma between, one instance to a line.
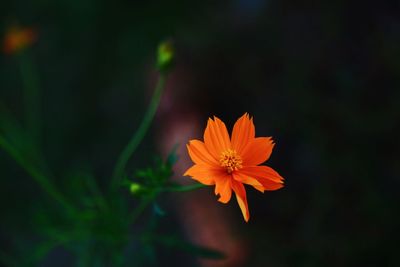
(229,163)
(17,39)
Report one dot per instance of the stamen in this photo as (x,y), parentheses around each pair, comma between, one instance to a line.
(230,160)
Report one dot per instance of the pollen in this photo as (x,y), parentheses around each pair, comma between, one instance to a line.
(230,160)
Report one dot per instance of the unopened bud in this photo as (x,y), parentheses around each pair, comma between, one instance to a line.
(135,188)
(165,56)
(17,39)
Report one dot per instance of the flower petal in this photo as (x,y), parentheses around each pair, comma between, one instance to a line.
(216,137)
(199,153)
(268,177)
(223,188)
(204,174)
(243,132)
(246,179)
(241,199)
(257,151)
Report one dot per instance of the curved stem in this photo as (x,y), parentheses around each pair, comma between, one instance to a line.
(123,159)
(140,208)
(183,188)
(151,197)
(95,191)
(39,177)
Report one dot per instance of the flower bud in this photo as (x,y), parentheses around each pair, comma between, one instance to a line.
(135,188)
(17,39)
(165,56)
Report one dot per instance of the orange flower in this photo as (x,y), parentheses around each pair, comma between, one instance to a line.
(17,39)
(228,163)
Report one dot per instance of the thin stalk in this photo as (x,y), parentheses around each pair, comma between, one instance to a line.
(184,188)
(96,192)
(145,201)
(39,177)
(137,138)
(32,97)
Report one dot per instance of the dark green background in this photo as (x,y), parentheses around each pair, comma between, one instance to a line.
(321,77)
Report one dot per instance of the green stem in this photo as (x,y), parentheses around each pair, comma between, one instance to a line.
(96,192)
(138,136)
(32,96)
(141,207)
(40,178)
(184,188)
(146,200)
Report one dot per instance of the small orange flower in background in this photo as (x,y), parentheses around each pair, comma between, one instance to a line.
(17,39)
(228,163)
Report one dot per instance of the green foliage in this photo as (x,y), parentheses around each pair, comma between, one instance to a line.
(96,224)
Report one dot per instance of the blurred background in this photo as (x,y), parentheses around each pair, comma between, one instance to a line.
(322,78)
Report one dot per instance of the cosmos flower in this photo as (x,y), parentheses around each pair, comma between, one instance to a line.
(17,39)
(229,163)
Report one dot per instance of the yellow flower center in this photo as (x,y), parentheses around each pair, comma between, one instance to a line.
(230,160)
